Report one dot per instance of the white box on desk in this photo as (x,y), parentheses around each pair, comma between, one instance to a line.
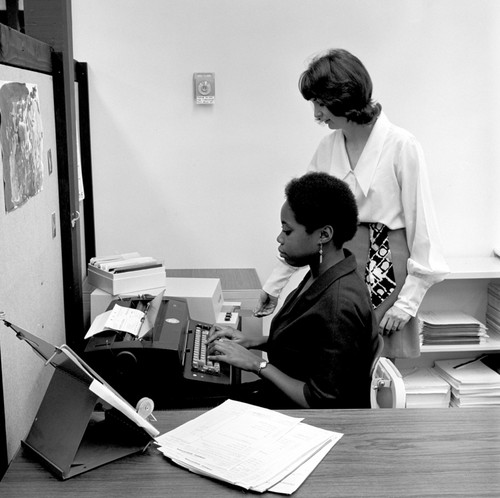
(127,281)
(203,296)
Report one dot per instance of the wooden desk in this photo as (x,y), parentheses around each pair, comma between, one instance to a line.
(386,453)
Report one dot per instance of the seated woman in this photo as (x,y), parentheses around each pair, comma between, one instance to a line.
(322,341)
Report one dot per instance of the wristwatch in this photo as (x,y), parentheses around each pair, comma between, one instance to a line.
(263,364)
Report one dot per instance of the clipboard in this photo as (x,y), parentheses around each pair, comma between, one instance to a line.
(68,434)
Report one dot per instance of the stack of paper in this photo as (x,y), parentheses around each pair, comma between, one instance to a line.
(472,382)
(248,446)
(425,388)
(493,309)
(452,327)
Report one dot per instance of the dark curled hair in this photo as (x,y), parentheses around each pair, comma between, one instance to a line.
(340,81)
(319,199)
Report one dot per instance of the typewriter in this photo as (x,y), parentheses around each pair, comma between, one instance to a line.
(166,362)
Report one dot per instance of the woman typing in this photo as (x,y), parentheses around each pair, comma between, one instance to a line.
(322,341)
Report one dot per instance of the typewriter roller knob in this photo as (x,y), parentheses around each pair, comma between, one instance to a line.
(145,407)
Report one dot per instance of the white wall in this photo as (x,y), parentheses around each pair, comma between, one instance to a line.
(201,186)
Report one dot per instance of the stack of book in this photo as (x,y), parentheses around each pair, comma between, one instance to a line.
(452,327)
(493,309)
(425,388)
(473,383)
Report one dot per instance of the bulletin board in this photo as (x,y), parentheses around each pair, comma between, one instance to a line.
(31,289)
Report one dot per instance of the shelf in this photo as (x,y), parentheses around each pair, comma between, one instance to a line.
(465,288)
(473,267)
(492,343)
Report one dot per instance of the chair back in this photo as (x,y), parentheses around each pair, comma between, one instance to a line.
(387,387)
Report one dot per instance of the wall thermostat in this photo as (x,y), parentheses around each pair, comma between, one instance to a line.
(204,88)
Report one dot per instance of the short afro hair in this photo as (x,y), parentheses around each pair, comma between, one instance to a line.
(318,199)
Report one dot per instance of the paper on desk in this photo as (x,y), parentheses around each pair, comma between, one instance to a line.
(111,398)
(293,481)
(245,445)
(224,437)
(303,443)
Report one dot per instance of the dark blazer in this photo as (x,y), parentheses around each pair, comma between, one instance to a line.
(326,337)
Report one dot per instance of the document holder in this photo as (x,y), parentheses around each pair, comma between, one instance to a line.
(68,434)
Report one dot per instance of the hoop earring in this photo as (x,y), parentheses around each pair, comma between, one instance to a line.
(320,252)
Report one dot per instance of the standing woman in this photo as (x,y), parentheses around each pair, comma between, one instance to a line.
(397,244)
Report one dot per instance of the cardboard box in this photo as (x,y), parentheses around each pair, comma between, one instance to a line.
(130,281)
(203,296)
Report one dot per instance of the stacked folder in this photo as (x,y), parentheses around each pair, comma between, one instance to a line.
(451,327)
(473,383)
(425,388)
(493,309)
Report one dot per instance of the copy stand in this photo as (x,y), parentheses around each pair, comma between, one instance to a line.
(68,434)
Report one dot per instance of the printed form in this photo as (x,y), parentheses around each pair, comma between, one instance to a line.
(248,446)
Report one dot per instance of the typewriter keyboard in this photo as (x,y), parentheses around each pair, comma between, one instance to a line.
(199,361)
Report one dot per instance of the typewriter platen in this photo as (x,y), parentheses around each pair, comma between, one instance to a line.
(162,364)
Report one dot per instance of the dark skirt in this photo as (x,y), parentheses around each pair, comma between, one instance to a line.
(404,343)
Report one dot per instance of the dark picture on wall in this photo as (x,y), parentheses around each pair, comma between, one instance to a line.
(21,143)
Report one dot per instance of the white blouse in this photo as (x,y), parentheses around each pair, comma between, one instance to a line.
(391,186)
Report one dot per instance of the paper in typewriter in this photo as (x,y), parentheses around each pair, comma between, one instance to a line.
(128,320)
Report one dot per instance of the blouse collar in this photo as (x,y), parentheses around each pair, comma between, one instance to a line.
(370,157)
